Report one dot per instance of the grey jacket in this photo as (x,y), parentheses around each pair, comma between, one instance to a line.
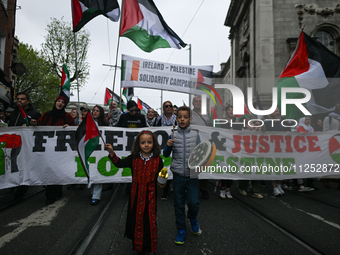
(185,140)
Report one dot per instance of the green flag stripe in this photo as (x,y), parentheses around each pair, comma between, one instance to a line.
(144,40)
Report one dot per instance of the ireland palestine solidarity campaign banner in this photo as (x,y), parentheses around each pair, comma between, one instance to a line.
(137,72)
(48,155)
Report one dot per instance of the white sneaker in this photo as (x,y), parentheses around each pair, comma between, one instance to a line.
(276,192)
(304,189)
(285,186)
(222,193)
(229,195)
(280,188)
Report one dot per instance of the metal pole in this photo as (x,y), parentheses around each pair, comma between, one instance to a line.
(76,63)
(114,76)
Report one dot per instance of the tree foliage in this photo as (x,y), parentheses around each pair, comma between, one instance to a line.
(58,49)
(38,81)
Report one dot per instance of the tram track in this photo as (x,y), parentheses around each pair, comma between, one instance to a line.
(87,237)
(317,200)
(275,224)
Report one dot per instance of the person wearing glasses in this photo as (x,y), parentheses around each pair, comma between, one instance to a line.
(168,118)
(132,119)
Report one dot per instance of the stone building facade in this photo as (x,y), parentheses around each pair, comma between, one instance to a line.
(264,33)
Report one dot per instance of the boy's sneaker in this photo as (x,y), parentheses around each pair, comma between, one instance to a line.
(242,191)
(302,188)
(180,236)
(195,227)
(257,195)
(276,192)
(285,186)
(280,188)
(222,193)
(229,195)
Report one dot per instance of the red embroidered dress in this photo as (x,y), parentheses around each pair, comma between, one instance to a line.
(141,224)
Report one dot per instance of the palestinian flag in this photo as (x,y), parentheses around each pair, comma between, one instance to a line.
(84,10)
(144,25)
(312,66)
(65,84)
(87,139)
(144,107)
(23,113)
(128,93)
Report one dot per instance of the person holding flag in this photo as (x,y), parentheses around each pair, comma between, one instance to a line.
(99,117)
(18,116)
(56,117)
(21,115)
(145,164)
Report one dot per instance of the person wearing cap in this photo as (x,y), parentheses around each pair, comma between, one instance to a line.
(15,120)
(57,117)
(83,112)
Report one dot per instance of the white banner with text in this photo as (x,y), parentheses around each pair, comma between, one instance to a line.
(48,155)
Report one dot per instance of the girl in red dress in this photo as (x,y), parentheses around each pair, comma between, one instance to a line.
(145,164)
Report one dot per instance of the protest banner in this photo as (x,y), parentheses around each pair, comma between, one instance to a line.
(47,155)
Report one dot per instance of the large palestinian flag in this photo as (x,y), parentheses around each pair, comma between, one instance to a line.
(144,25)
(313,67)
(87,139)
(65,84)
(85,10)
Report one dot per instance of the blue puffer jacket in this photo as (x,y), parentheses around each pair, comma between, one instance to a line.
(185,140)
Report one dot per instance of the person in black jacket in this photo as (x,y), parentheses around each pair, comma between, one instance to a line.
(16,119)
(132,119)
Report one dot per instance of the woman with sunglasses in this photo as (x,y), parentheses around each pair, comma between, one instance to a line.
(168,118)
(132,119)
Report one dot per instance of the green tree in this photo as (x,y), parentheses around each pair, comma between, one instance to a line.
(58,49)
(38,81)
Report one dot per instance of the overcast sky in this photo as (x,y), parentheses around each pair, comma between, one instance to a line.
(198,22)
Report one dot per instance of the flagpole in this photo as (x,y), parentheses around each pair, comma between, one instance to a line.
(114,76)
(76,63)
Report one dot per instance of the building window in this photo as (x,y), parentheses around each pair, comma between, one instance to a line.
(326,39)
